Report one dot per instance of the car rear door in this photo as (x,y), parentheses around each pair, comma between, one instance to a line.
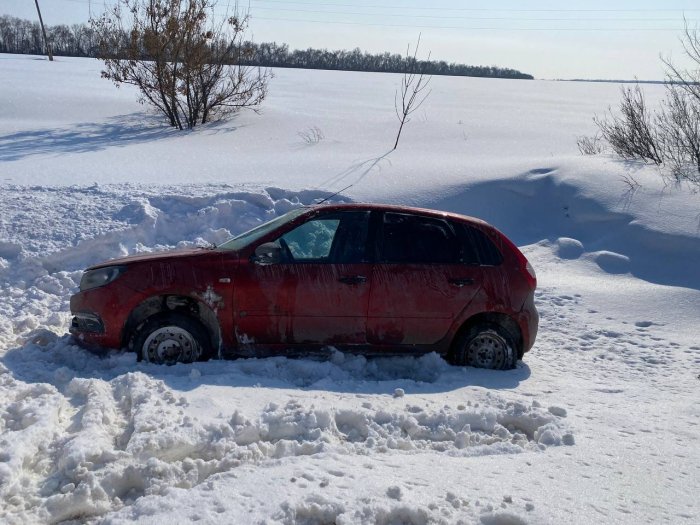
(421,281)
(317,294)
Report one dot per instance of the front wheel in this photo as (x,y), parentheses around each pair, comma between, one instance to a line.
(170,338)
(487,345)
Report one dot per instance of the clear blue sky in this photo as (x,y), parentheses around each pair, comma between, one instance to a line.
(550,39)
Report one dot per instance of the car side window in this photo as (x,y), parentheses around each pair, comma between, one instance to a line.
(312,240)
(335,238)
(408,238)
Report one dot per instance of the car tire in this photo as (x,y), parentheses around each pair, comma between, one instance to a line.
(170,338)
(486,345)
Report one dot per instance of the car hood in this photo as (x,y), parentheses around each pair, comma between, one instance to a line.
(152,257)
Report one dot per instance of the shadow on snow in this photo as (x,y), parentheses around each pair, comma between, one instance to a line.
(537,206)
(87,137)
(47,358)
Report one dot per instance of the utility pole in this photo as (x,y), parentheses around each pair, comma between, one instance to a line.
(46,42)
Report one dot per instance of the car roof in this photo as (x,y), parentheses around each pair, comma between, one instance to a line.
(397,208)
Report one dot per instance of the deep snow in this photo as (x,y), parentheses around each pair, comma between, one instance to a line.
(599,423)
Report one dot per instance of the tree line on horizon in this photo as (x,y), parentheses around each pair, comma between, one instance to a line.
(20,36)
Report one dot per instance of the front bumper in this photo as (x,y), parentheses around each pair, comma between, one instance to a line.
(84,322)
(98,319)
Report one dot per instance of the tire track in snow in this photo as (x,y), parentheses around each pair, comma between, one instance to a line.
(130,437)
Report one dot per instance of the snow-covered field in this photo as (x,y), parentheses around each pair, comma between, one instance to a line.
(599,424)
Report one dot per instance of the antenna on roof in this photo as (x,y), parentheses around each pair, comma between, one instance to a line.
(336,193)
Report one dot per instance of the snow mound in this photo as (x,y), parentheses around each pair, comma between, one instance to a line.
(502,518)
(569,248)
(612,262)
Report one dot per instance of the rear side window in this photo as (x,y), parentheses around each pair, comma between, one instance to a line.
(407,238)
(477,248)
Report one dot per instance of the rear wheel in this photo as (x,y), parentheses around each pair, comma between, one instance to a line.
(486,345)
(171,338)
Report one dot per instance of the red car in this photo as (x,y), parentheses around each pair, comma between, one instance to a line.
(358,277)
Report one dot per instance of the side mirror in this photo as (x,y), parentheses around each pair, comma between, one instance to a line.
(268,253)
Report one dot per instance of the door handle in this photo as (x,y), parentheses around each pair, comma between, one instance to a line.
(461,282)
(353,279)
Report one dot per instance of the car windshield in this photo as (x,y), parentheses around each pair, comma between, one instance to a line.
(244,239)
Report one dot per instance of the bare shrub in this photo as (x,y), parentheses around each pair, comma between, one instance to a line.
(631,183)
(669,137)
(681,123)
(680,129)
(312,135)
(591,145)
(185,62)
(632,134)
(413,84)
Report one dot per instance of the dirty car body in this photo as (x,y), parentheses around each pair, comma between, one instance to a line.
(364,278)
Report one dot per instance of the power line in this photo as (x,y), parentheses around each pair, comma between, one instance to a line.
(403,14)
(593,29)
(517,19)
(404,8)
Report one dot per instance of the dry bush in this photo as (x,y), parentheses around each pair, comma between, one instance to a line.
(633,133)
(186,63)
(669,137)
(591,145)
(312,135)
(680,130)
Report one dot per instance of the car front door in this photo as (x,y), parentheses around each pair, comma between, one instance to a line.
(420,282)
(318,291)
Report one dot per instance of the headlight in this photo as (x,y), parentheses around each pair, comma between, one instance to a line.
(100,277)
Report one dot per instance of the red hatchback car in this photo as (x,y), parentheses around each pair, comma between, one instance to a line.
(364,278)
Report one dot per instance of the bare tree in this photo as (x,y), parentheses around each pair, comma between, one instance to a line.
(187,65)
(687,79)
(681,122)
(413,85)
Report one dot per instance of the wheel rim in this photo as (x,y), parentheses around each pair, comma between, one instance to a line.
(487,350)
(169,345)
